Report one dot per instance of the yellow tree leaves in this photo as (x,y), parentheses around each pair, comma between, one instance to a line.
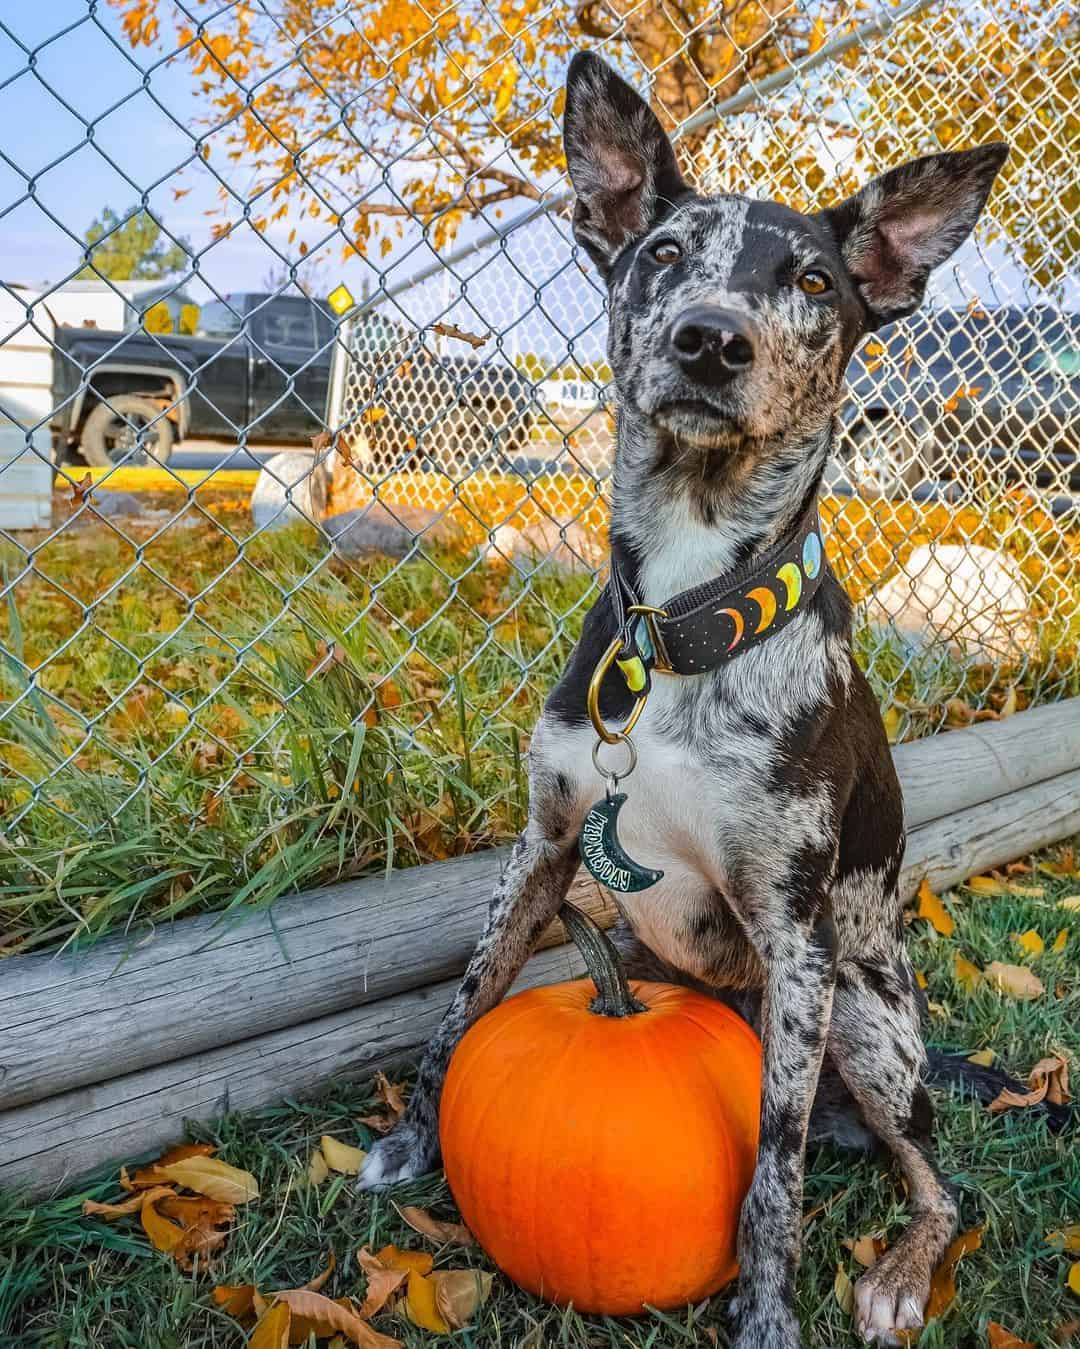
(932,909)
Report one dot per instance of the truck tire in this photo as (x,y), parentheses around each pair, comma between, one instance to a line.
(110,434)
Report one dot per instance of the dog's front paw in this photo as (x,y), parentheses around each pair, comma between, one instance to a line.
(406,1152)
(890,1297)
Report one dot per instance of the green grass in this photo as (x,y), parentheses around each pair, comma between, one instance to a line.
(165,747)
(79,1283)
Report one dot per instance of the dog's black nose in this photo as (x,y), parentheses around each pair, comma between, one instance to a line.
(712,345)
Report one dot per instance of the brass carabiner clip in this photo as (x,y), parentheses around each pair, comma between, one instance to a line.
(634,677)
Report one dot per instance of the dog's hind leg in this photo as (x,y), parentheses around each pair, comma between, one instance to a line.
(876,1041)
(527,898)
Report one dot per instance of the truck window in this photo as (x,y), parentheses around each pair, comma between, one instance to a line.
(218,319)
(286,322)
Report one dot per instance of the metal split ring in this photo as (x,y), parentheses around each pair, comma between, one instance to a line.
(619,738)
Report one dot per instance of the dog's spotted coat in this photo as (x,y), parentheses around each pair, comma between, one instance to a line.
(765,790)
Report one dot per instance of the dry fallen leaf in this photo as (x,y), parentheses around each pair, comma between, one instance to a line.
(1065,1238)
(1000,1338)
(932,909)
(1066,1331)
(1030,942)
(132,1205)
(983,1057)
(341,1157)
(213,1178)
(985,885)
(317,1170)
(391,1096)
(447,1233)
(1014,980)
(920,979)
(1071,903)
(393,1258)
(164,1235)
(844,1290)
(272,1332)
(1061,940)
(867,1250)
(967,974)
(383,1281)
(421,1307)
(1074,1278)
(237,1299)
(152,1174)
(460,1293)
(323,1316)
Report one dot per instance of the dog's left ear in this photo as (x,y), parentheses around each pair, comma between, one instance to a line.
(902,225)
(621,162)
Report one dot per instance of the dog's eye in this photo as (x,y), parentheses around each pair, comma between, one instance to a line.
(666,252)
(814,283)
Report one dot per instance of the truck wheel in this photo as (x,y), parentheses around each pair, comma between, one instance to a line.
(126,429)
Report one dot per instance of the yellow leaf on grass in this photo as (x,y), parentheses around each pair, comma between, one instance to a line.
(1074,1278)
(1030,941)
(999,1338)
(867,1250)
(985,885)
(317,1170)
(983,1057)
(1065,1238)
(236,1299)
(323,1316)
(920,979)
(393,1258)
(1014,981)
(421,1307)
(272,1332)
(966,974)
(932,909)
(164,1235)
(341,1157)
(844,1290)
(460,1293)
(1061,940)
(382,1281)
(454,1234)
(91,1207)
(1026,891)
(1070,903)
(215,1179)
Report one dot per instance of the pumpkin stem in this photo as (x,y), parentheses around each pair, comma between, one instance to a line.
(602,962)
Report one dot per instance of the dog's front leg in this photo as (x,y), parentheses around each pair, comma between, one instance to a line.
(527,898)
(795,1012)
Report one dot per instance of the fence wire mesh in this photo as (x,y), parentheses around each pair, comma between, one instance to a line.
(305,446)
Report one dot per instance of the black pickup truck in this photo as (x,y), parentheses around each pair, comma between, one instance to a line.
(259,368)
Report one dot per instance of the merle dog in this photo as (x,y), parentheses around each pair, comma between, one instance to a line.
(765,789)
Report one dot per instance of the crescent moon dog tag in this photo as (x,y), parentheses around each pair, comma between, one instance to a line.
(603,854)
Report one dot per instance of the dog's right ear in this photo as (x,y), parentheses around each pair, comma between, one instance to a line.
(621,163)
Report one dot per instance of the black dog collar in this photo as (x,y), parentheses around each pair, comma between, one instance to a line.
(711,624)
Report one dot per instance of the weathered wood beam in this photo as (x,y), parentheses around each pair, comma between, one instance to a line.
(48,1144)
(181,989)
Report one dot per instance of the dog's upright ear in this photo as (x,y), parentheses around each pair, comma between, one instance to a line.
(621,162)
(899,227)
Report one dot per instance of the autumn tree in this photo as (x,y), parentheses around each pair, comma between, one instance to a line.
(364,117)
(131,247)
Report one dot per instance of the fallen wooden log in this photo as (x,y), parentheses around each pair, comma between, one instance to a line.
(47,1142)
(80,1018)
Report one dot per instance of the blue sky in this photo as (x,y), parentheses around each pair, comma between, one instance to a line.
(134,145)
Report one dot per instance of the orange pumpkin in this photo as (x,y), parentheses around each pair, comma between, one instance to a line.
(600,1147)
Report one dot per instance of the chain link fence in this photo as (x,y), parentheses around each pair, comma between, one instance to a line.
(304,497)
